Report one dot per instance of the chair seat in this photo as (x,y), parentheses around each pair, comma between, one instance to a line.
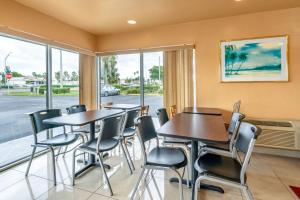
(86,129)
(60,140)
(169,140)
(219,166)
(167,157)
(129,132)
(105,145)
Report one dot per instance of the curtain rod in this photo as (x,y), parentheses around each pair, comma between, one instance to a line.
(149,49)
(43,40)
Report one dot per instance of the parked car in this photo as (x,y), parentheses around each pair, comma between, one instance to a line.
(109,90)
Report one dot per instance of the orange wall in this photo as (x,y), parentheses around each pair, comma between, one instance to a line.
(25,19)
(260,100)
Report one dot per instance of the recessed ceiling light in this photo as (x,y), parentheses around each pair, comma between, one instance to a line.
(238,0)
(131,21)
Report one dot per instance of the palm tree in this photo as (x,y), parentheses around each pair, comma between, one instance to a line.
(110,72)
(242,58)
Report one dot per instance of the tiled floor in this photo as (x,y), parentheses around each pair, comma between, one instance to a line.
(268,177)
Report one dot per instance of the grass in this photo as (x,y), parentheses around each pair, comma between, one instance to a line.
(29,94)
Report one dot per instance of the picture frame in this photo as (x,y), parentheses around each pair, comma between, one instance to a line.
(252,60)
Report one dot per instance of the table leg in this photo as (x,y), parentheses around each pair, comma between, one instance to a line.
(92,137)
(194,152)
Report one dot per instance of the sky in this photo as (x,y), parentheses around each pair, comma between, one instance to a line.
(127,64)
(26,57)
(261,54)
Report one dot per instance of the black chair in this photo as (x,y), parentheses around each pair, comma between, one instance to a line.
(233,130)
(159,158)
(109,138)
(77,109)
(129,130)
(229,170)
(163,118)
(60,140)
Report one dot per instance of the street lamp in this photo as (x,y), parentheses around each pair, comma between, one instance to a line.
(5,59)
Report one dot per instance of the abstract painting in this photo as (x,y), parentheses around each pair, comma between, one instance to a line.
(263,59)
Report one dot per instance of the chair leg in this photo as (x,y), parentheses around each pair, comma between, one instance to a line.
(125,156)
(180,184)
(128,154)
(155,184)
(247,193)
(64,154)
(30,161)
(53,164)
(137,184)
(58,153)
(105,175)
(197,187)
(73,167)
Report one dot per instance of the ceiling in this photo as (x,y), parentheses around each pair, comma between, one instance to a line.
(110,16)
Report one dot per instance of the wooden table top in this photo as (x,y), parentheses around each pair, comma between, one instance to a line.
(122,106)
(195,127)
(202,110)
(82,118)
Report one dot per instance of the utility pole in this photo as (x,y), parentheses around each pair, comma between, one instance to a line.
(159,68)
(61,70)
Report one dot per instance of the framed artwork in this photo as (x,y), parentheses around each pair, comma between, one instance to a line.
(261,59)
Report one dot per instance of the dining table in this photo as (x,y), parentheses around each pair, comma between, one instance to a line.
(202,110)
(122,106)
(84,118)
(196,128)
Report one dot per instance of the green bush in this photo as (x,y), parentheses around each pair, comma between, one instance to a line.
(133,90)
(55,90)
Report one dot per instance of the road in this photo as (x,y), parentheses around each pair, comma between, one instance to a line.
(15,123)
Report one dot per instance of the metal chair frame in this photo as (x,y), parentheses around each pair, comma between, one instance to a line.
(37,144)
(149,168)
(232,141)
(97,153)
(245,163)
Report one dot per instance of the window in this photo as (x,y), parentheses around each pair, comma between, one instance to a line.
(153,81)
(65,78)
(120,79)
(22,90)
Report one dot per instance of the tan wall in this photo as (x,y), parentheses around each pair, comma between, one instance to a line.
(260,100)
(25,19)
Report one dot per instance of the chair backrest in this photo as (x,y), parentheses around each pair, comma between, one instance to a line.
(76,109)
(144,110)
(38,117)
(37,121)
(131,116)
(162,116)
(236,106)
(233,128)
(172,111)
(111,127)
(246,138)
(146,128)
(145,132)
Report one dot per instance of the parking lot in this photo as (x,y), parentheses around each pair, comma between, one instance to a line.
(15,123)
